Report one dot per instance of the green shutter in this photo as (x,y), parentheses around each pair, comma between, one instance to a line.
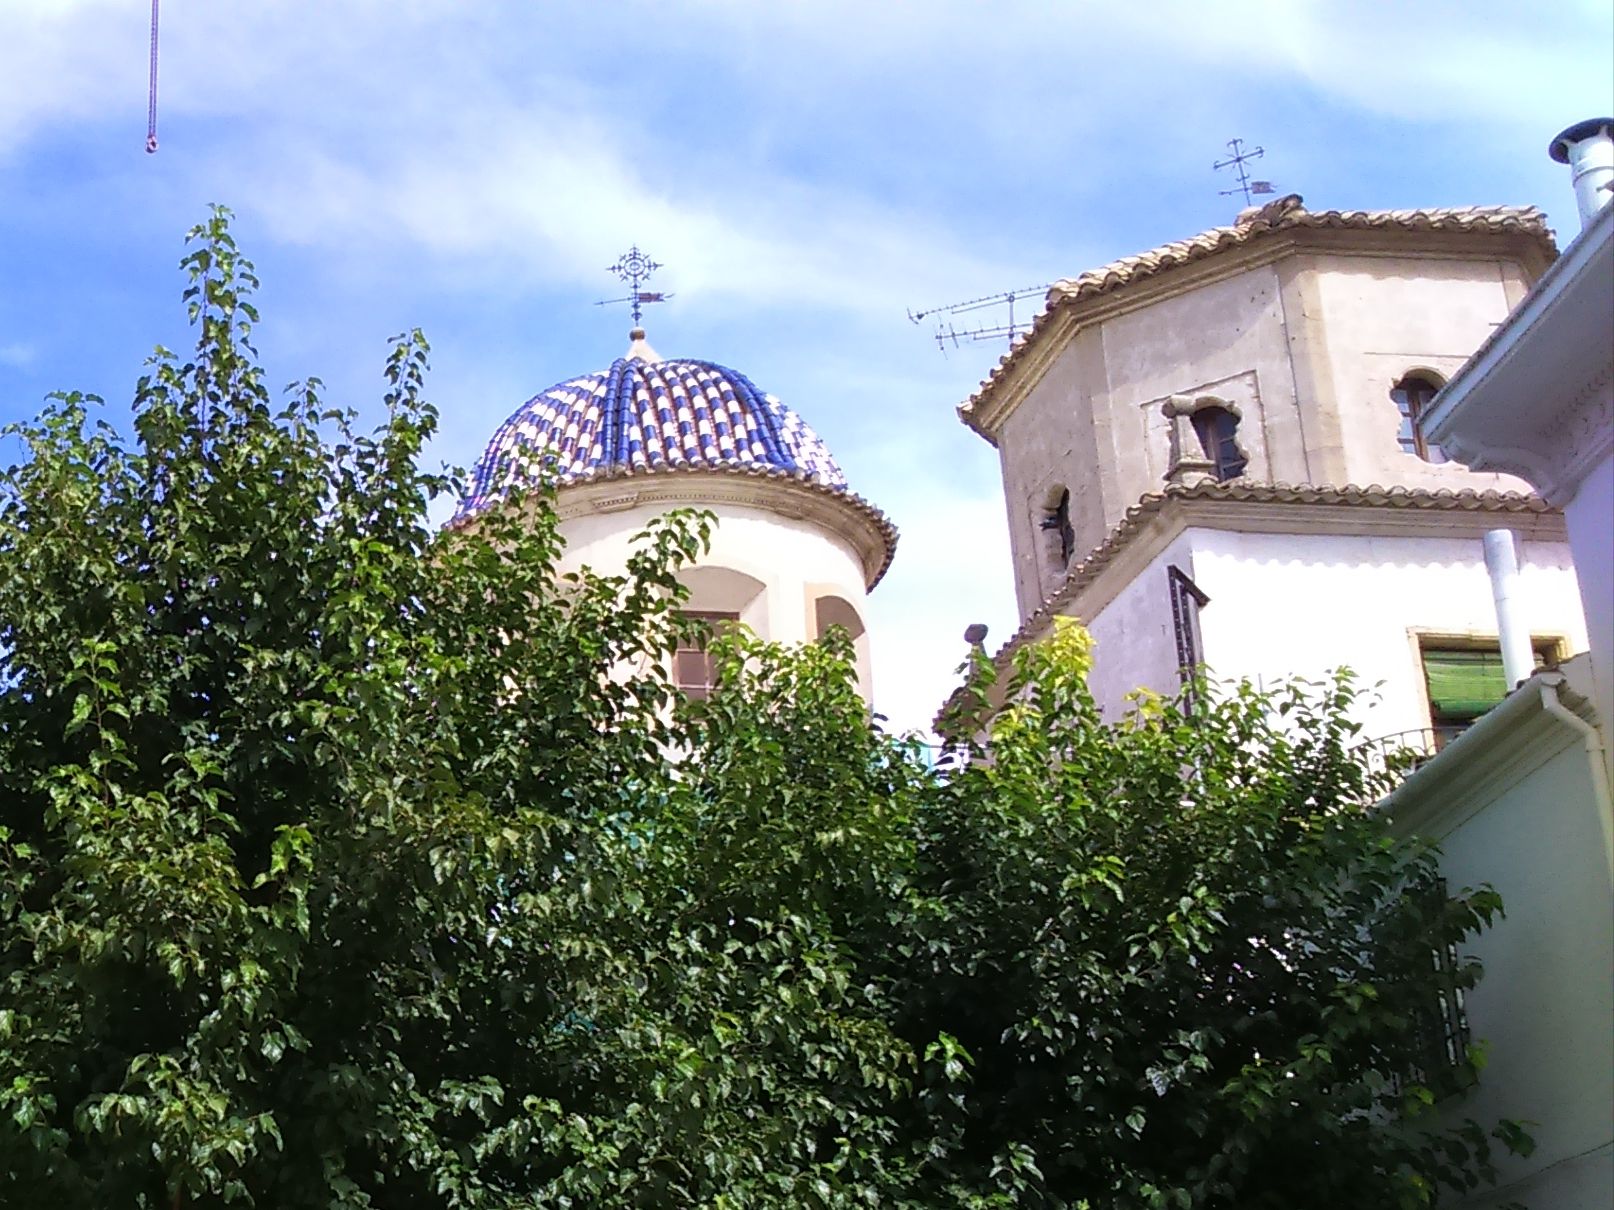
(1463,684)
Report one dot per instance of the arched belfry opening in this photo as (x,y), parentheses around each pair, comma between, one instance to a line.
(1059,533)
(831,609)
(1204,436)
(1217,428)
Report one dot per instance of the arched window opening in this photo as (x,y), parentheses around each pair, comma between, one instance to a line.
(1217,430)
(694,670)
(725,591)
(1413,396)
(836,611)
(832,610)
(1062,535)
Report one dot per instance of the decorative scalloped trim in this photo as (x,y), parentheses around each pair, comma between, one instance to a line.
(1286,213)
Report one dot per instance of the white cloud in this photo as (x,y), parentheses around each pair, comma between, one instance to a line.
(537,197)
(18,354)
(951,569)
(438,146)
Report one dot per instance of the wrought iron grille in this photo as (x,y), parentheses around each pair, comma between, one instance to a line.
(1187,599)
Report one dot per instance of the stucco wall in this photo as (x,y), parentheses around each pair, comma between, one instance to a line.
(1287,604)
(1384,316)
(1134,644)
(1050,442)
(1092,423)
(786,556)
(1284,604)
(1546,1001)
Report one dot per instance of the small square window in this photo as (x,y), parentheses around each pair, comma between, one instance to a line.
(1465,680)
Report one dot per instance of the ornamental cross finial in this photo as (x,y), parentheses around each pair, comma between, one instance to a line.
(635,268)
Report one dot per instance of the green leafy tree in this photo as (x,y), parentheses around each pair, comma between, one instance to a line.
(349,862)
(289,781)
(1184,964)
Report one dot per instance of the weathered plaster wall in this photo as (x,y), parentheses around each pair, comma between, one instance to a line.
(1049,443)
(1224,339)
(1305,348)
(1093,424)
(1382,317)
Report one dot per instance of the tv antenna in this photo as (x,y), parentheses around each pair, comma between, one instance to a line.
(1237,161)
(635,268)
(946,333)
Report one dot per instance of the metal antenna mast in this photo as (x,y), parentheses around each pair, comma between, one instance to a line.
(634,267)
(946,333)
(151,91)
(1237,161)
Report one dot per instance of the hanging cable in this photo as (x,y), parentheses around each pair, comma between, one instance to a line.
(151,101)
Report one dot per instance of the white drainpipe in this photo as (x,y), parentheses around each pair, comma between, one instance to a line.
(1598,755)
(1588,148)
(1518,657)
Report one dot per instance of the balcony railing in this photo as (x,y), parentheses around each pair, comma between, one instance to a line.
(1402,753)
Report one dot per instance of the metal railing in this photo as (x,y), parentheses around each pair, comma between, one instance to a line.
(1402,753)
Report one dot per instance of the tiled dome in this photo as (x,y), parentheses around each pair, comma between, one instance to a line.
(647,414)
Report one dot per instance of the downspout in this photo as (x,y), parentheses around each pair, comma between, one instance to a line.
(1593,744)
(1502,562)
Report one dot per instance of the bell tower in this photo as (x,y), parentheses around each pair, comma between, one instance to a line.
(1292,347)
(1215,453)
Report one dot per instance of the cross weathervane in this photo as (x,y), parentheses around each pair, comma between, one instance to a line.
(1236,161)
(634,267)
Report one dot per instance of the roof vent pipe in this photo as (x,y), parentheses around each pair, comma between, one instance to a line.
(1502,562)
(1588,148)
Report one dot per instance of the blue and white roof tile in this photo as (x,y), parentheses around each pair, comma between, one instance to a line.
(648,415)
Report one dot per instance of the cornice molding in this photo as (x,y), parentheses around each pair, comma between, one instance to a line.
(1570,441)
(849,517)
(793,495)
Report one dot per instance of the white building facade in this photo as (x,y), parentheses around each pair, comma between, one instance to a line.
(1263,583)
(793,552)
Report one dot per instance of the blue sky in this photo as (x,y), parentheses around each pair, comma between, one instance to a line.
(805,171)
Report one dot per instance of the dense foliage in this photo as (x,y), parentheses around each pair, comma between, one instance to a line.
(347,862)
